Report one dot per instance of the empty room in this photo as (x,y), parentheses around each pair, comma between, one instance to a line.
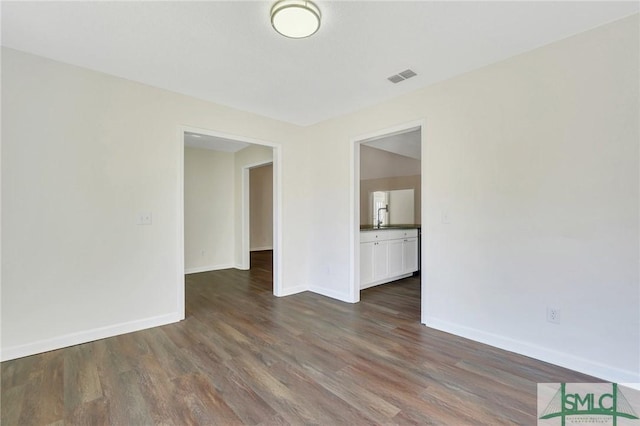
(320,212)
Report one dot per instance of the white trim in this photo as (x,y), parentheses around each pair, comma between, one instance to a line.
(278,285)
(245,218)
(180,291)
(207,268)
(344,297)
(293,290)
(386,280)
(86,336)
(354,214)
(423,267)
(354,205)
(261,248)
(245,249)
(277,206)
(558,358)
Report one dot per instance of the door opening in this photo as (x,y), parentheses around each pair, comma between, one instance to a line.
(225,171)
(260,207)
(387,203)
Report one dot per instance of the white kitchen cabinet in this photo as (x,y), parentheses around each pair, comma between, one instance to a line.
(410,255)
(380,260)
(387,255)
(366,261)
(395,261)
(374,261)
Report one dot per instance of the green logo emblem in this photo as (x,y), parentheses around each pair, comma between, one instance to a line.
(588,403)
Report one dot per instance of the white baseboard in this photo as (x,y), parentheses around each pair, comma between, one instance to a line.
(208,268)
(344,297)
(582,365)
(80,337)
(292,290)
(385,281)
(261,248)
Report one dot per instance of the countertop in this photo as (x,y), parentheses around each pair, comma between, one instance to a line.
(382,228)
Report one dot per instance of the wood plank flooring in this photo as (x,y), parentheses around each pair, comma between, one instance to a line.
(243,356)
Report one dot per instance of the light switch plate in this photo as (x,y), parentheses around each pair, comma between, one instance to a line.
(445,217)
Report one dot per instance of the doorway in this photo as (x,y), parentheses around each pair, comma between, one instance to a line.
(259,186)
(237,155)
(261,208)
(395,142)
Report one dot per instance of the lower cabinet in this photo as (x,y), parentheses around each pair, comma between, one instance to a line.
(387,255)
(410,255)
(366,262)
(395,261)
(380,260)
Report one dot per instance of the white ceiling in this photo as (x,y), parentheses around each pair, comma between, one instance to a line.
(227,52)
(214,143)
(407,143)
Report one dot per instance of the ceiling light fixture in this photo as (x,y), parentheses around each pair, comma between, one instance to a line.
(295,18)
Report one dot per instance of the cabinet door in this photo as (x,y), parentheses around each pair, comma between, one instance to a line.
(380,260)
(410,255)
(366,263)
(396,253)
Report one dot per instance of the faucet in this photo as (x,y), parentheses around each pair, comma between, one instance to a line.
(382,208)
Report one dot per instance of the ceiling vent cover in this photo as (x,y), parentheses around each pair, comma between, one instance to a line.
(408,74)
(401,76)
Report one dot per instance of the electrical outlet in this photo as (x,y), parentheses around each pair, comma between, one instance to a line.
(553,315)
(144,218)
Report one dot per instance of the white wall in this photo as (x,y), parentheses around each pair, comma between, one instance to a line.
(401,207)
(82,154)
(208,210)
(536,160)
(244,160)
(213,206)
(261,208)
(382,170)
(377,163)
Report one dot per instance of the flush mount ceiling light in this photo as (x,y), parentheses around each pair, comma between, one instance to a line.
(295,18)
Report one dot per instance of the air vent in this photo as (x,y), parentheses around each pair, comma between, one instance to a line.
(407,74)
(397,78)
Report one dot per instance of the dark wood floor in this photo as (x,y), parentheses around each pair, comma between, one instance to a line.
(243,356)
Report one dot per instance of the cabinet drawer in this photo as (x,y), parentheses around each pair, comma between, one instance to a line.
(371,236)
(405,233)
(387,234)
